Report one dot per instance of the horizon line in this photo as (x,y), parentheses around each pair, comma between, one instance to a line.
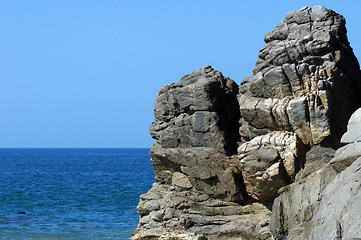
(74,147)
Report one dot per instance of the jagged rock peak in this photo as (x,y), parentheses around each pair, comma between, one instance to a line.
(305,32)
(316,19)
(197,76)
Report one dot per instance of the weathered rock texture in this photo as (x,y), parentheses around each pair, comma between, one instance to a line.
(305,73)
(224,152)
(326,204)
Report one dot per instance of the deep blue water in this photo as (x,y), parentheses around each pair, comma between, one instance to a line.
(72,193)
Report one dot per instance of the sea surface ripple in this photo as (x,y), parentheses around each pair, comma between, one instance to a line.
(72,193)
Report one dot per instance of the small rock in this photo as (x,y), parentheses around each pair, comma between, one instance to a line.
(268,154)
(199,198)
(181,180)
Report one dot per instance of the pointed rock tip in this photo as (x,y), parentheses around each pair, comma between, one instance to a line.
(207,68)
(194,76)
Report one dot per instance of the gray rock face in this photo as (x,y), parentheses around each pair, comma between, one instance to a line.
(224,152)
(325,204)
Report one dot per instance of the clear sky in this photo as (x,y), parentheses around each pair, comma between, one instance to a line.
(83,73)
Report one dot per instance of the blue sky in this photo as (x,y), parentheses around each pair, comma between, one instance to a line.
(82,73)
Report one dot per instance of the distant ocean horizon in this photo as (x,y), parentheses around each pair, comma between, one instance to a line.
(72,193)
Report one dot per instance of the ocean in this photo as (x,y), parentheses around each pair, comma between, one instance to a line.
(72,193)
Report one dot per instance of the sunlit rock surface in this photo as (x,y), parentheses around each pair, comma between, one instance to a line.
(325,204)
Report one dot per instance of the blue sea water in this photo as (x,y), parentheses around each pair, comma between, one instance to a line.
(72,193)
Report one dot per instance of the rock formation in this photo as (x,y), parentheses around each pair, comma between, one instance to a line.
(224,152)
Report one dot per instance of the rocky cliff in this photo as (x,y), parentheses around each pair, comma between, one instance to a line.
(226,153)
(326,204)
